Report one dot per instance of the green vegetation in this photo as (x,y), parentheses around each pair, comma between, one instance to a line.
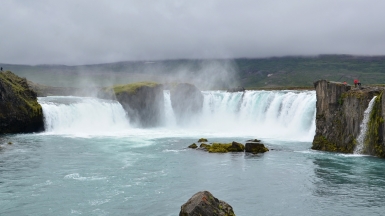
(275,73)
(224,147)
(133,87)
(194,146)
(20,88)
(372,142)
(321,143)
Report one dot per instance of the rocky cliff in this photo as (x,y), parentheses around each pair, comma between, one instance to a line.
(19,110)
(143,102)
(340,111)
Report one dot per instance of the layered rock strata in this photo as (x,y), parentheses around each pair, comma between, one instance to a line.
(339,114)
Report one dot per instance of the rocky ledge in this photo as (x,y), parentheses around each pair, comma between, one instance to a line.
(19,110)
(143,102)
(339,113)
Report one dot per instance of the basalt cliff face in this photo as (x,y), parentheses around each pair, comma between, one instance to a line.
(340,112)
(143,102)
(19,110)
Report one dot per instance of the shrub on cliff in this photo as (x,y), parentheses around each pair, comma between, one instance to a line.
(19,110)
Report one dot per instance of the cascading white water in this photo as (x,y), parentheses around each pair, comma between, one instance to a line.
(263,114)
(363,128)
(77,115)
(273,114)
(169,117)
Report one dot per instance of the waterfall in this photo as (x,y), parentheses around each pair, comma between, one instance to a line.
(77,115)
(274,114)
(261,114)
(169,117)
(363,128)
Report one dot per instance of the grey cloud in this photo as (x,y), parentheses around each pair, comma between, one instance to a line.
(85,31)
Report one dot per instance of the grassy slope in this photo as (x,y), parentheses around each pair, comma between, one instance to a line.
(281,72)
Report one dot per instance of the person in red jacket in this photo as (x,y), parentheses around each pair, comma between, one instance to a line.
(355,82)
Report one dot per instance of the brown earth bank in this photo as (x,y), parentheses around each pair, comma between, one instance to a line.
(339,113)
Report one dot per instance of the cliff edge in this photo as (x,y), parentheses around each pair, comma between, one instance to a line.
(339,114)
(143,102)
(19,110)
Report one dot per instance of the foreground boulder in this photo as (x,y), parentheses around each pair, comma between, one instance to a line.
(143,102)
(204,203)
(186,101)
(19,110)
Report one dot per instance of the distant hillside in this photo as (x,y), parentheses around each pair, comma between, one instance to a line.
(213,74)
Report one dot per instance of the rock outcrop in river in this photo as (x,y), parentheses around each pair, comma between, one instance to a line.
(340,111)
(143,102)
(205,204)
(19,110)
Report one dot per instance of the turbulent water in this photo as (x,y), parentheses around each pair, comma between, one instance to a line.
(91,161)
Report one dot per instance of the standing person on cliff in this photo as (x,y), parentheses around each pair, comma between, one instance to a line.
(355,83)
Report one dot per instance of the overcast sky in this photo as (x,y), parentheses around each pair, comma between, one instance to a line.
(97,31)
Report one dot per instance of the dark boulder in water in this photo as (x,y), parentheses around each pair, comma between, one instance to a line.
(202,140)
(194,146)
(19,110)
(204,203)
(186,101)
(143,102)
(255,147)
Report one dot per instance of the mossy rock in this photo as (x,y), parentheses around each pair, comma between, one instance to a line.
(204,145)
(19,110)
(225,147)
(202,140)
(193,146)
(132,87)
(236,147)
(256,148)
(219,147)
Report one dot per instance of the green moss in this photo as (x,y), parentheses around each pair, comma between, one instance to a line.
(321,143)
(204,145)
(219,147)
(133,87)
(372,143)
(202,140)
(224,147)
(20,88)
(194,146)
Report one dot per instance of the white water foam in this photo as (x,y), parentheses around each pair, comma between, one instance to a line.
(363,128)
(83,116)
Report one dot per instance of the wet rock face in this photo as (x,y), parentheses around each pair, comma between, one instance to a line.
(19,110)
(204,203)
(186,101)
(144,103)
(339,113)
(255,147)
